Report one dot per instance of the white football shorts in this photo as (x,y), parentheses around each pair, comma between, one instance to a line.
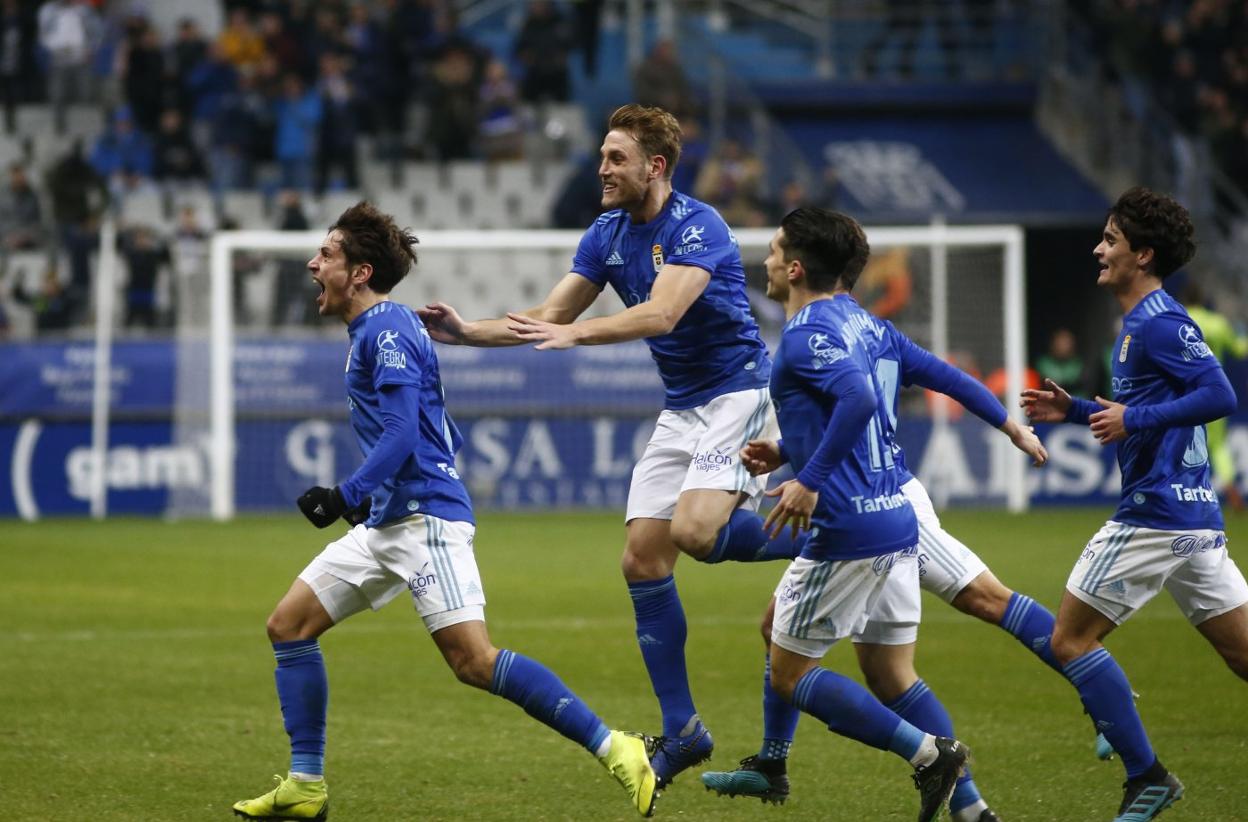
(700,448)
(819,602)
(1125,566)
(430,557)
(946,566)
(942,564)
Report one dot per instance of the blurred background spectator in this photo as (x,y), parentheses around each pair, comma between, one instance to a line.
(146,256)
(1062,364)
(21,220)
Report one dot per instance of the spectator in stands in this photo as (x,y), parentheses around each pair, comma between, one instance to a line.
(78,195)
(542,49)
(241,45)
(234,135)
(21,221)
(694,150)
(123,155)
(291,303)
(146,256)
(279,43)
(380,70)
(13,56)
(338,124)
(177,159)
(886,283)
(580,201)
(731,180)
(54,307)
(660,80)
(143,71)
(297,121)
(188,51)
(501,127)
(189,262)
(68,31)
(453,104)
(1062,362)
(587,29)
(208,84)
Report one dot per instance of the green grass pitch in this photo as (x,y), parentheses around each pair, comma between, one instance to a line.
(136,683)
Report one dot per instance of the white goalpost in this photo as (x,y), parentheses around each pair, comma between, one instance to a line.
(965,300)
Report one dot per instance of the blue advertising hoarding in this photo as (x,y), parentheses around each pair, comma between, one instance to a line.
(542,429)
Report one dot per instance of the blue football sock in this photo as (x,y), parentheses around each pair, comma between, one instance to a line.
(920,707)
(303,692)
(779,720)
(850,710)
(534,687)
(1106,694)
(1031,624)
(742,539)
(661,633)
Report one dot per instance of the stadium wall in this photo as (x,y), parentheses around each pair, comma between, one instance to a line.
(541,429)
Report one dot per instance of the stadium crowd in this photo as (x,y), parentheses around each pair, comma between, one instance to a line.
(1193,58)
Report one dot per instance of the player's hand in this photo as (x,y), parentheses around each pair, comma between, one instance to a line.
(1025,440)
(322,506)
(797,503)
(1049,404)
(444,323)
(761,457)
(1109,424)
(359,513)
(548,336)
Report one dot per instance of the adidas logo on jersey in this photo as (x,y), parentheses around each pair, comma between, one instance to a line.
(647,639)
(615,258)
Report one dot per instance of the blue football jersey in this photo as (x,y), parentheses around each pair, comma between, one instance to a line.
(390,346)
(861,510)
(1166,478)
(715,348)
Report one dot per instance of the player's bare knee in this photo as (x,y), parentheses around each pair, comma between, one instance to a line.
(1237,660)
(1067,647)
(639,564)
(985,598)
(692,538)
(472,666)
(284,626)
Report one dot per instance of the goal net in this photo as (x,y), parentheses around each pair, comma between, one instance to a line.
(562,429)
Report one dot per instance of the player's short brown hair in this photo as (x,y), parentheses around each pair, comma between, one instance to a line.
(371,236)
(832,246)
(655,130)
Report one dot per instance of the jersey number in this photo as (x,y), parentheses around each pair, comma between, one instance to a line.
(881,456)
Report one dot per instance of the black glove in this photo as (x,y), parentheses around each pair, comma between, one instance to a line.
(359,513)
(322,506)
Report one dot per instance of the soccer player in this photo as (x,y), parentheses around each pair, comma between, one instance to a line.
(1224,342)
(677,268)
(413,529)
(946,568)
(1168,528)
(831,390)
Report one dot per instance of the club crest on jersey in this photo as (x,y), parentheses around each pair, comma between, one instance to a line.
(825,352)
(656,253)
(1194,348)
(1122,352)
(388,350)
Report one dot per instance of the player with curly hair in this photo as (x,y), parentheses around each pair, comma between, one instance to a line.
(1168,528)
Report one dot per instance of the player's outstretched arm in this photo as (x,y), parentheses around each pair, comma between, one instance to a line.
(1048,404)
(674,290)
(565,302)
(1025,440)
(762,456)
